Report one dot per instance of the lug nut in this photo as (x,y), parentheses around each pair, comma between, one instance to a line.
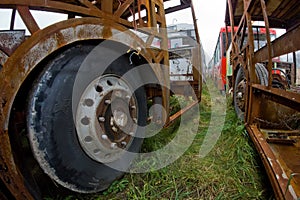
(104,137)
(134,120)
(133,107)
(107,101)
(111,121)
(124,144)
(101,119)
(114,129)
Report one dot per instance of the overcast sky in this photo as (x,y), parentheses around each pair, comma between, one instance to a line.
(210,15)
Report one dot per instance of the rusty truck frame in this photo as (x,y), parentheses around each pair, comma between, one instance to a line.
(36,80)
(271,114)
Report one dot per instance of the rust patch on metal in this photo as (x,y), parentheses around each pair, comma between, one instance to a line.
(11,40)
(268,107)
(3,59)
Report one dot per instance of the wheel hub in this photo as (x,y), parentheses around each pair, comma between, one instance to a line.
(106,118)
(240,95)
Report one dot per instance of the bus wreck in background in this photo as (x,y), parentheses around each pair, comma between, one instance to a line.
(221,65)
(39,145)
(271,110)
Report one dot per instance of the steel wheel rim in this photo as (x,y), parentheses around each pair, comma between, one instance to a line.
(106,118)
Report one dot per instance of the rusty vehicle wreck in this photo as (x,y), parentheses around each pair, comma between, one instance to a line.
(269,108)
(64,132)
(39,142)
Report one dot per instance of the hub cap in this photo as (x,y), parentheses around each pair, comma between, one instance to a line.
(106,118)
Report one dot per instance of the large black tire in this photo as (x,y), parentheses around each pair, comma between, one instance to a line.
(52,131)
(239,100)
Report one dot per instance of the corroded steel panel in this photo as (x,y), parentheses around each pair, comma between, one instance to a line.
(11,40)
(272,114)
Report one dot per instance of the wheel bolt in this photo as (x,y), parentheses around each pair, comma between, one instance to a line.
(134,120)
(133,107)
(111,121)
(104,137)
(239,94)
(101,119)
(107,101)
(123,144)
(114,129)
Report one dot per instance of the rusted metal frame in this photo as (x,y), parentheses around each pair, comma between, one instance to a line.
(294,69)
(281,141)
(32,42)
(288,7)
(106,6)
(56,6)
(243,33)
(287,98)
(162,58)
(285,132)
(141,20)
(234,47)
(90,5)
(195,22)
(279,46)
(28,19)
(197,66)
(250,65)
(12,20)
(250,68)
(9,89)
(270,161)
(87,11)
(125,5)
(180,112)
(280,8)
(247,5)
(265,15)
(150,40)
(177,8)
(235,53)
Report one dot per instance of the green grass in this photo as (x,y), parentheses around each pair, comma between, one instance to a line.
(231,170)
